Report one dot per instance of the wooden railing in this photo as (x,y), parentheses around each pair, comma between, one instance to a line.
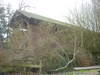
(65,73)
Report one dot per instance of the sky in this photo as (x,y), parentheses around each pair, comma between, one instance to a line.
(56,9)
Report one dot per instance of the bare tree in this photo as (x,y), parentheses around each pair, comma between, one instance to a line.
(84,17)
(62,39)
(23,5)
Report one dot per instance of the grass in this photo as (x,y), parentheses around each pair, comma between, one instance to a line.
(80,72)
(92,70)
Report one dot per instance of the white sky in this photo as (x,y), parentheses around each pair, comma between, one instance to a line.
(55,9)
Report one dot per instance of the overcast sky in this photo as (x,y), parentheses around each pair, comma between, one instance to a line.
(56,9)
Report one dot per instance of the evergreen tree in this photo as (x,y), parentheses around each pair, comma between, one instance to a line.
(5,16)
(2,24)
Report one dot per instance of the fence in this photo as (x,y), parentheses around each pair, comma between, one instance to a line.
(3,73)
(66,73)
